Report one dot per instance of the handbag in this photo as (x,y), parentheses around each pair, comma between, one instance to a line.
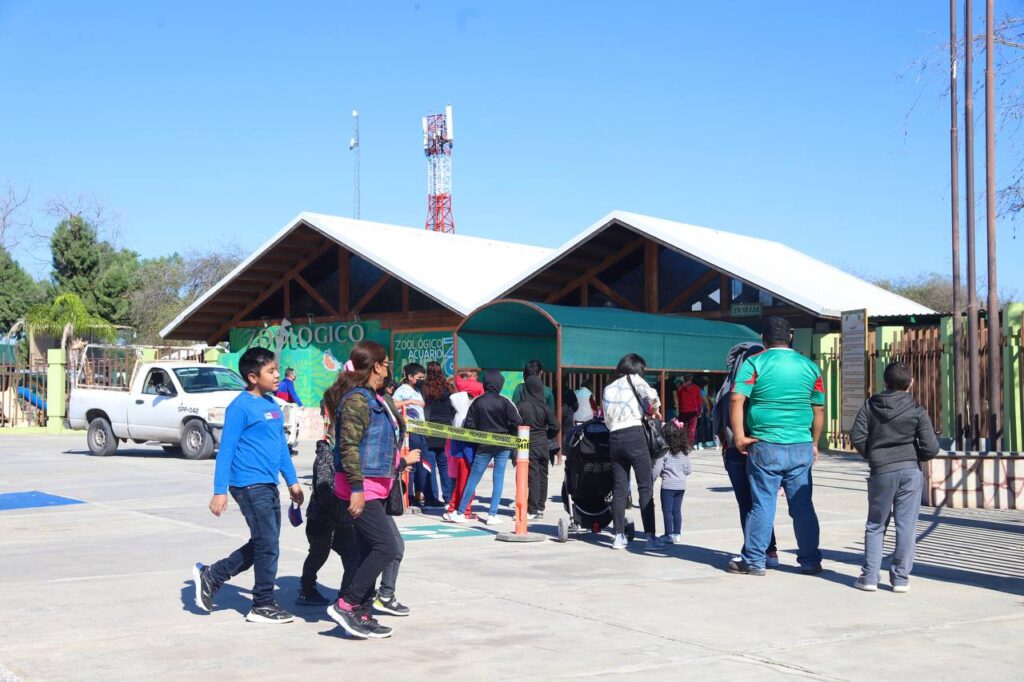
(654,429)
(395,504)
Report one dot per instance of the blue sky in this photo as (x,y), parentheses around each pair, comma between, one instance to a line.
(206,122)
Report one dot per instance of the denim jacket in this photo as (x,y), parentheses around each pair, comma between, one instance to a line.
(368,422)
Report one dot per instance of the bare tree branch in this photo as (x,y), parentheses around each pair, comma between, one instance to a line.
(11,226)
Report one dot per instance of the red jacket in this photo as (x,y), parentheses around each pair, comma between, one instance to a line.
(475,389)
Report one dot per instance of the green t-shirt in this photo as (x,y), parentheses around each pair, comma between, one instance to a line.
(781,386)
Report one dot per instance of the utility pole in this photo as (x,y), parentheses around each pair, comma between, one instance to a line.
(954,170)
(995,337)
(973,361)
(353,144)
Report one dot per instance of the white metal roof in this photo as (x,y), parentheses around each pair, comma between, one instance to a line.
(452,269)
(773,267)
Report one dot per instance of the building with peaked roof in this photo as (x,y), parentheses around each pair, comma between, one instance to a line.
(323,282)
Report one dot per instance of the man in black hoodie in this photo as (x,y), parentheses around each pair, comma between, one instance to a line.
(543,424)
(893,433)
(493,413)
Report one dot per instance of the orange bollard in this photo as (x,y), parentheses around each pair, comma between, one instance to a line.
(522,495)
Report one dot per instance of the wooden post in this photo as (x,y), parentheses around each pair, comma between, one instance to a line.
(344,272)
(725,293)
(651,277)
(288,299)
(585,295)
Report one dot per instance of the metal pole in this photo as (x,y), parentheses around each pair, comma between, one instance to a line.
(973,361)
(995,341)
(954,170)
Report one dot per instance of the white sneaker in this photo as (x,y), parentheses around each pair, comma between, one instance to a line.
(676,539)
(455,517)
(494,520)
(901,589)
(620,542)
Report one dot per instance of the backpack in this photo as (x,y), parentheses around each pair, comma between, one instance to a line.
(323,502)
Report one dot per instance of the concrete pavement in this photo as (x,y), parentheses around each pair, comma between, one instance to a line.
(102,590)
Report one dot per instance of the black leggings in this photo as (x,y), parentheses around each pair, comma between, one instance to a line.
(323,536)
(377,539)
(628,449)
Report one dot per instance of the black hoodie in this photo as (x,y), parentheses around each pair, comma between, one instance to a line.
(893,432)
(538,415)
(493,412)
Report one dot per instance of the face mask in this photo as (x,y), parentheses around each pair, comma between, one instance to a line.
(419,385)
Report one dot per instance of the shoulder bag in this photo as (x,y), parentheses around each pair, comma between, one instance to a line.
(654,429)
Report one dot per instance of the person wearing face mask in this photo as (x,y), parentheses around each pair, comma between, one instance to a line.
(368,431)
(409,395)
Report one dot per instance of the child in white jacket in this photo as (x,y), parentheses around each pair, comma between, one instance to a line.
(673,469)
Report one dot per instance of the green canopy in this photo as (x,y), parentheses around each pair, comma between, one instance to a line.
(506,334)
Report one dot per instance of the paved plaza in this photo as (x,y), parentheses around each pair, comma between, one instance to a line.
(102,590)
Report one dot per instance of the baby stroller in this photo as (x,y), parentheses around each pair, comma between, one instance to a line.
(587,488)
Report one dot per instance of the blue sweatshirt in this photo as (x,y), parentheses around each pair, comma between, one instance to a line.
(286,391)
(253,448)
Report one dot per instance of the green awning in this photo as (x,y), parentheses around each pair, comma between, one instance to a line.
(506,334)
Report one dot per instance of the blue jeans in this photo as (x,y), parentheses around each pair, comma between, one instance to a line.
(447,484)
(260,504)
(736,466)
(672,510)
(770,465)
(476,474)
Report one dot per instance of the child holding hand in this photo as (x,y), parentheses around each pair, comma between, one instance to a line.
(673,469)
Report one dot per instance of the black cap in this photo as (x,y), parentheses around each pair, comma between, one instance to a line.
(776,330)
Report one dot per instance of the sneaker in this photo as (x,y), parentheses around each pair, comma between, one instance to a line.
(901,589)
(269,613)
(675,539)
(434,504)
(390,606)
(374,630)
(654,542)
(814,569)
(743,568)
(772,561)
(204,587)
(862,584)
(535,516)
(311,597)
(620,542)
(455,517)
(349,621)
(494,520)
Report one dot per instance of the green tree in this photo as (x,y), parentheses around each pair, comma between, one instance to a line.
(68,319)
(77,258)
(18,293)
(118,280)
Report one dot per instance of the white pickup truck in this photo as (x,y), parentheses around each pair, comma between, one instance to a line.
(178,404)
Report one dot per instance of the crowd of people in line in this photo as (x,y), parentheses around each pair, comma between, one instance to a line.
(767,415)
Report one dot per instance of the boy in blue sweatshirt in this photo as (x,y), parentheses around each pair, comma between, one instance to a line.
(253,453)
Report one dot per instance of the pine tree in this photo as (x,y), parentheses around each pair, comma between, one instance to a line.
(18,293)
(76,256)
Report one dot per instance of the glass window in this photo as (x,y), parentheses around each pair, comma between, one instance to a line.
(208,379)
(157,378)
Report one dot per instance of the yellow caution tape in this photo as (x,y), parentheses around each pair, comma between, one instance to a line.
(432,430)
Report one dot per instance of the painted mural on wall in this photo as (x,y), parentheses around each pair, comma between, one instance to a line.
(316,351)
(424,347)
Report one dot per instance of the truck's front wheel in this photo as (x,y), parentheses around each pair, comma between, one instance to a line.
(100,437)
(196,440)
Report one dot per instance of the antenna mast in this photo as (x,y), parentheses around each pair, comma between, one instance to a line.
(353,144)
(437,145)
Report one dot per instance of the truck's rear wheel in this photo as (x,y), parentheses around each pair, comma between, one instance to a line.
(196,440)
(100,438)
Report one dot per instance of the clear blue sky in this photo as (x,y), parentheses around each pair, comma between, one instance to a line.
(219,121)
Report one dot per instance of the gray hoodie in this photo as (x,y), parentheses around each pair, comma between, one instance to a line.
(893,432)
(673,469)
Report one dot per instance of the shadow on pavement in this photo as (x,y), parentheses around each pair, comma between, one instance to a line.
(145,453)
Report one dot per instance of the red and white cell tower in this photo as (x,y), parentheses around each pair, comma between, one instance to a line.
(437,145)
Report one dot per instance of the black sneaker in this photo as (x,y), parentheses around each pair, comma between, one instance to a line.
(814,569)
(269,613)
(743,568)
(311,597)
(374,629)
(390,606)
(349,622)
(205,589)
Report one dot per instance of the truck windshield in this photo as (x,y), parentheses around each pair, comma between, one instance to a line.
(208,379)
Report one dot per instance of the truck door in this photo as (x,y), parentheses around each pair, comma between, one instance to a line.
(153,412)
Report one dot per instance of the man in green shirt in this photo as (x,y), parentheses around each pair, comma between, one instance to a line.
(777,412)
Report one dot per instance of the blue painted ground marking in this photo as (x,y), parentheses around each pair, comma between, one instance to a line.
(33,498)
(439,532)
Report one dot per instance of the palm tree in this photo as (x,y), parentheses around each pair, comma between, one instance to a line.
(67,318)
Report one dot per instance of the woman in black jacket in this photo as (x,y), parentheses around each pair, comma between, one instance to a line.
(539,416)
(439,410)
